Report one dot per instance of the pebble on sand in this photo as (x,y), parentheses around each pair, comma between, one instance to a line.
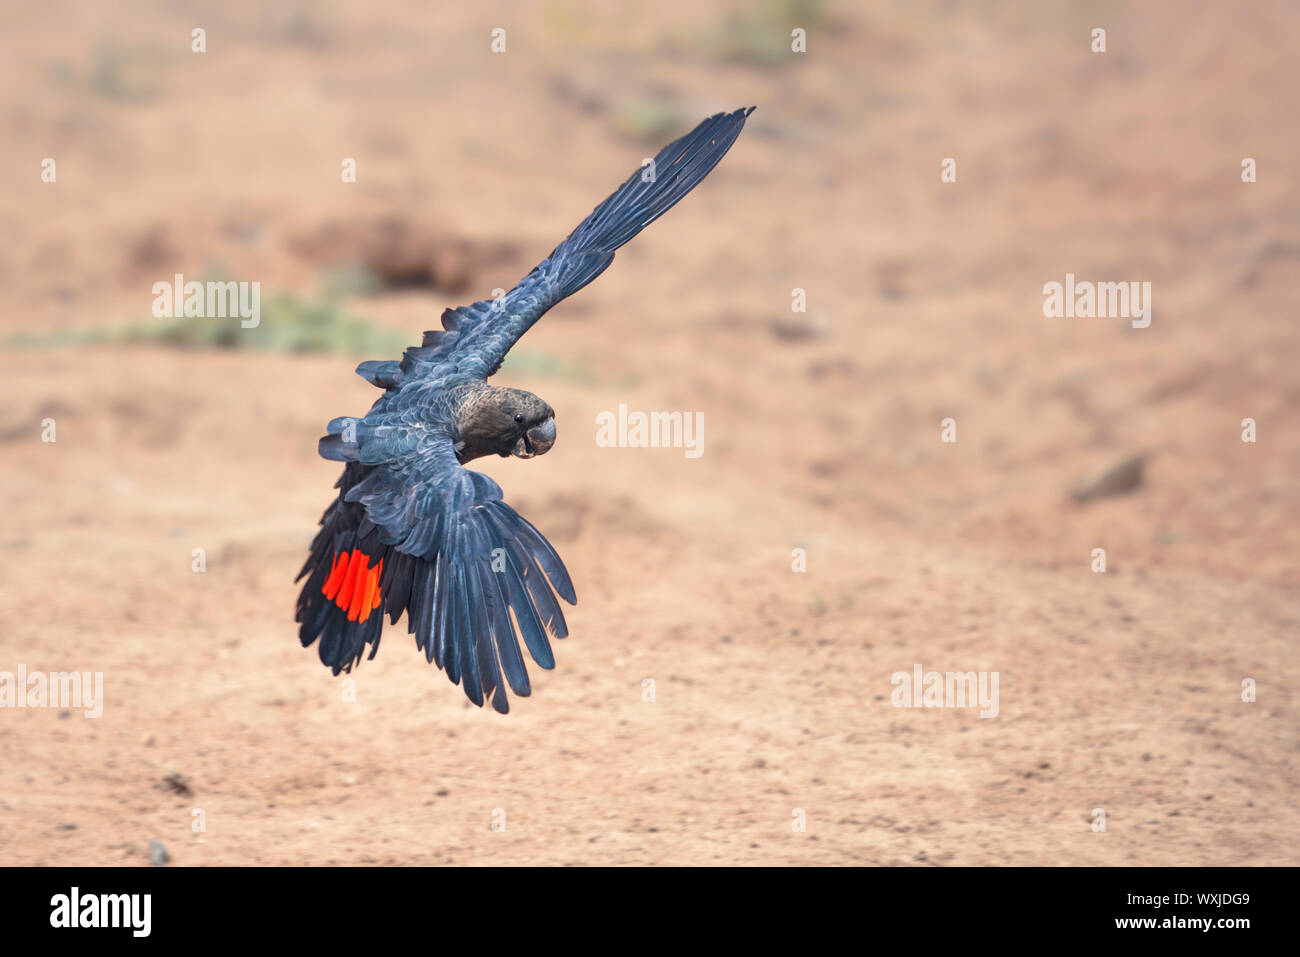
(158,855)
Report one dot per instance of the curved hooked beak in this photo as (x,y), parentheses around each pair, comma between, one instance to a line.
(537,440)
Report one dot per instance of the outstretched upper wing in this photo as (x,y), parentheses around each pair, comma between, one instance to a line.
(464,563)
(477,337)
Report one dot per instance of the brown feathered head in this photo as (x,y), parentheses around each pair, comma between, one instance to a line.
(506,422)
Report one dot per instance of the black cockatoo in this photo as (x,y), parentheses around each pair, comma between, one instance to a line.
(412,530)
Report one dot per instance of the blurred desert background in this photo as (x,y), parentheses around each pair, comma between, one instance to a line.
(1120,691)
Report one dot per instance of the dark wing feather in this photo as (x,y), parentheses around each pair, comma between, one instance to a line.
(476,338)
(467,567)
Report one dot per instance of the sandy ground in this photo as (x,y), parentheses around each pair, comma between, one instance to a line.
(1120,691)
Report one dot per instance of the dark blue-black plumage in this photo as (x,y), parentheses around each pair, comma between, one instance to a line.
(441,546)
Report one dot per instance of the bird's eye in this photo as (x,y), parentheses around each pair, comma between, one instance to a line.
(519,417)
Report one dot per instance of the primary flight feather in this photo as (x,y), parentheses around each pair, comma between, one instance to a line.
(412,530)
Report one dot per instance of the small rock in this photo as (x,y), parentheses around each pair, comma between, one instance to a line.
(177,784)
(158,855)
(1117,478)
(797,330)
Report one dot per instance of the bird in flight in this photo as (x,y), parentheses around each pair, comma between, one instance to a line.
(414,532)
